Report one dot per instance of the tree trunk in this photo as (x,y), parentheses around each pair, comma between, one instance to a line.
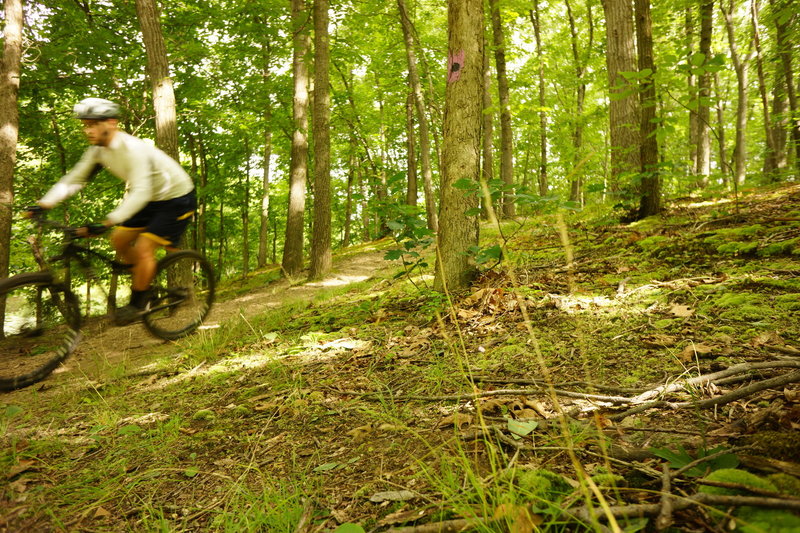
(543,188)
(576,182)
(785,52)
(158,72)
(348,206)
(422,117)
(9,129)
(770,159)
(321,255)
(263,230)
(506,133)
(293,244)
(740,66)
(246,213)
(780,110)
(650,194)
(722,150)
(703,168)
(458,231)
(487,130)
(624,110)
(411,148)
(691,84)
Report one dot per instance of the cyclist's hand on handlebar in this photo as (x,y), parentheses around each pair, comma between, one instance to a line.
(91,230)
(34,211)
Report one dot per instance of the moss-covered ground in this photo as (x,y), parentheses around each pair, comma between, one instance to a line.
(380,402)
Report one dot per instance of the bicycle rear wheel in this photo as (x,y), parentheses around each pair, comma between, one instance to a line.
(183,292)
(40,328)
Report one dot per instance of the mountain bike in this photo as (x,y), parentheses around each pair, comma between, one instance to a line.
(41,315)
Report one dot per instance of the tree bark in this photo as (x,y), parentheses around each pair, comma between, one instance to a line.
(691,84)
(506,133)
(422,117)
(576,182)
(740,66)
(411,158)
(9,129)
(770,159)
(246,212)
(458,231)
(785,52)
(263,230)
(703,167)
(321,254)
(543,187)
(487,130)
(624,112)
(292,262)
(650,194)
(158,72)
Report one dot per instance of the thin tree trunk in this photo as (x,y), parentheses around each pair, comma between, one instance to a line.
(411,158)
(246,213)
(691,84)
(293,244)
(263,230)
(785,52)
(9,129)
(543,188)
(624,109)
(487,130)
(770,159)
(158,72)
(348,206)
(725,168)
(740,66)
(703,168)
(650,194)
(780,110)
(321,254)
(576,181)
(458,232)
(506,133)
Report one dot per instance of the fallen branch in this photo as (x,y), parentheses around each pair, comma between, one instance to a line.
(665,518)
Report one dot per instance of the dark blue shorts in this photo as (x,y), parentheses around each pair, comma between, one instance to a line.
(164,221)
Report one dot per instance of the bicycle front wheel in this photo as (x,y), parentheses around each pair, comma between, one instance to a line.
(40,328)
(183,291)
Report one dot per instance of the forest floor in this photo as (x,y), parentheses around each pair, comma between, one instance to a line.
(650,381)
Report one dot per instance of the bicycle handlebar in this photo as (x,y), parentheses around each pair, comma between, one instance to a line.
(38,215)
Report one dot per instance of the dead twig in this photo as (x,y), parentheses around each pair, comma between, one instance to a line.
(665,518)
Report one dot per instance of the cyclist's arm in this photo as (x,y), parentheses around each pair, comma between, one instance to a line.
(73,181)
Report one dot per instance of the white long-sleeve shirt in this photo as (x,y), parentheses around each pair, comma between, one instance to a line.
(150,175)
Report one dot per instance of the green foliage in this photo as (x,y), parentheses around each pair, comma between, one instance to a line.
(680,458)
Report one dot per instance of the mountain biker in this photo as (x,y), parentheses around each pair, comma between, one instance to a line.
(157,207)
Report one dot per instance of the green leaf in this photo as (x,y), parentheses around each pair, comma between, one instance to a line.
(465,184)
(130,429)
(325,467)
(519,429)
(697,59)
(392,255)
(12,411)
(349,528)
(192,471)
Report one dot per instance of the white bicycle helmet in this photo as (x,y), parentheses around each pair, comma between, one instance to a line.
(96,109)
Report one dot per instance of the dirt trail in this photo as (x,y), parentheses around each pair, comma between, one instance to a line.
(109,350)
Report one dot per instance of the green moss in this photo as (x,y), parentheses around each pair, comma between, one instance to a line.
(737,248)
(783,445)
(785,483)
(653,244)
(541,484)
(779,248)
(739,477)
(790,302)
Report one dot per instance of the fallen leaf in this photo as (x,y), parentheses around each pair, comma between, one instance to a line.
(792,396)
(101,512)
(519,518)
(693,350)
(360,433)
(681,310)
(23,466)
(393,496)
(457,420)
(403,516)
